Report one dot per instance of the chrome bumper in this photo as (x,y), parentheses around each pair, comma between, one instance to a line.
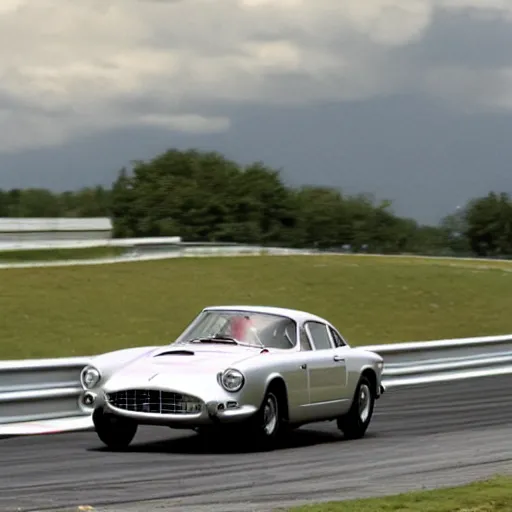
(212,412)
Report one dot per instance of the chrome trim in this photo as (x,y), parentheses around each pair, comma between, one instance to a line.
(153,401)
(84,371)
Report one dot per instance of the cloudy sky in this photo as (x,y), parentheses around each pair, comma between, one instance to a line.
(410,100)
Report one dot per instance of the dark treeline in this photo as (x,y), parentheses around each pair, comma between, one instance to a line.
(202,196)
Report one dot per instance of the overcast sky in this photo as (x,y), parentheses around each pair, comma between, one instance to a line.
(410,100)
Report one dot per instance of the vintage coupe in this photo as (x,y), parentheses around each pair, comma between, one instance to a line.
(266,369)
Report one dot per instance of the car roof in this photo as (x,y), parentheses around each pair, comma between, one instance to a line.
(295,314)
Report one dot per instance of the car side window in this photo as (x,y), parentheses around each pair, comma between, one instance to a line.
(304,341)
(320,336)
(338,340)
(283,335)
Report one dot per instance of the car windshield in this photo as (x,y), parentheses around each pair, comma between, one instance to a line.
(242,327)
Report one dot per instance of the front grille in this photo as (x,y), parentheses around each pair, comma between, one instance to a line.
(153,401)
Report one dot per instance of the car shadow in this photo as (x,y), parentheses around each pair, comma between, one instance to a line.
(195,444)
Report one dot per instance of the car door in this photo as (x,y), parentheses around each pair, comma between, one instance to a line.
(340,354)
(327,369)
(293,367)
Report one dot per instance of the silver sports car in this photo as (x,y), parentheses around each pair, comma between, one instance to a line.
(261,368)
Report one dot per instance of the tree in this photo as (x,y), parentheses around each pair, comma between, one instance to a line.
(203,196)
(122,199)
(489,225)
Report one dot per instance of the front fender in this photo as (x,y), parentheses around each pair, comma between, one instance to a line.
(257,383)
(109,362)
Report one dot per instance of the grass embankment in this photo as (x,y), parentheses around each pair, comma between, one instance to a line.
(65,311)
(45,255)
(494,495)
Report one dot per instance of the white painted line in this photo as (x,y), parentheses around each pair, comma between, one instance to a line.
(55,426)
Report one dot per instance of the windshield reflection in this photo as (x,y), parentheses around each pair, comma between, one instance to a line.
(246,328)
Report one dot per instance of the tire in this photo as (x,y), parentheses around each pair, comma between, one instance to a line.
(115,432)
(355,423)
(267,423)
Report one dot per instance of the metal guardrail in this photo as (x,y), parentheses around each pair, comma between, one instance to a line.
(40,389)
(407,364)
(49,389)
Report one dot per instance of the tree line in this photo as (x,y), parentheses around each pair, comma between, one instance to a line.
(205,197)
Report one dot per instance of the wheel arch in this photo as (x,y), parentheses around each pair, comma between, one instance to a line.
(371,375)
(277,384)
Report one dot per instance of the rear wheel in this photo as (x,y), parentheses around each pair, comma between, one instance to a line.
(355,423)
(115,432)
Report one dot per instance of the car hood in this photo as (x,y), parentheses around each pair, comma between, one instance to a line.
(183,361)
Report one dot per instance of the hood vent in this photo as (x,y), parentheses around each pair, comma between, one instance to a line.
(176,353)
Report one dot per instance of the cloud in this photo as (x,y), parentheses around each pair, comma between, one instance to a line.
(187,123)
(89,65)
(480,7)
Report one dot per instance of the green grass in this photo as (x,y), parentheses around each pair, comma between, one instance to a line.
(82,310)
(37,255)
(494,495)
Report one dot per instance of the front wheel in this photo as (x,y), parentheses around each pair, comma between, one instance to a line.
(115,432)
(355,423)
(267,423)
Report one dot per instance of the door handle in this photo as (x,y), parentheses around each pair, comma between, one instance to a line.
(338,359)
(303,366)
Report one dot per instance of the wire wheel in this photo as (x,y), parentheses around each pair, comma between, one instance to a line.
(364,402)
(270,414)
(356,420)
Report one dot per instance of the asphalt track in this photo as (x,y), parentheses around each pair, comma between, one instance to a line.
(420,437)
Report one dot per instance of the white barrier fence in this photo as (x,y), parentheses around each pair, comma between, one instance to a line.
(38,396)
(155,248)
(149,251)
(128,243)
(21,232)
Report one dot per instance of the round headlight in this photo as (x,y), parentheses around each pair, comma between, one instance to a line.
(90,377)
(232,380)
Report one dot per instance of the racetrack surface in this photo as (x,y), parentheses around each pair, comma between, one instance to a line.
(420,437)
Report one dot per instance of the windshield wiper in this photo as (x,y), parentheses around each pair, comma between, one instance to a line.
(215,339)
